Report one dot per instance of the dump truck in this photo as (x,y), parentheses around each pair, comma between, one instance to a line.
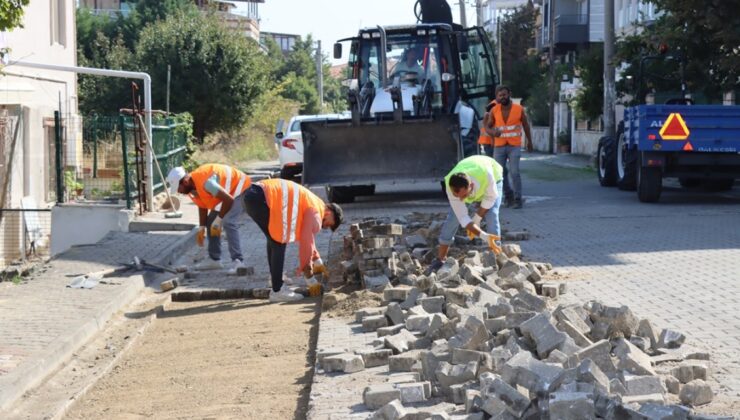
(417,94)
(698,144)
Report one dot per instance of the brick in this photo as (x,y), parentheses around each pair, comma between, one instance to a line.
(449,375)
(400,342)
(571,405)
(378,242)
(458,391)
(448,269)
(632,359)
(695,393)
(374,357)
(529,302)
(645,329)
(473,403)
(590,373)
(535,375)
(376,282)
(543,333)
(394,313)
(672,384)
(323,353)
(600,353)
(617,387)
(433,304)
(390,330)
(411,298)
(641,343)
(345,362)
(670,339)
(516,403)
(403,362)
(569,314)
(642,384)
(515,319)
(372,323)
(495,325)
(414,392)
(688,371)
(499,309)
(418,323)
(440,327)
(620,319)
(470,335)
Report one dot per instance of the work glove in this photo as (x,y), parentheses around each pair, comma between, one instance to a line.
(216,227)
(491,239)
(477,219)
(200,237)
(433,267)
(319,267)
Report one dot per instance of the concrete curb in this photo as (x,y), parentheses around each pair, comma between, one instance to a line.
(32,372)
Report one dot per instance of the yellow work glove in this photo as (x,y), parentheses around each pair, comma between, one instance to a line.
(216,227)
(320,268)
(491,240)
(200,237)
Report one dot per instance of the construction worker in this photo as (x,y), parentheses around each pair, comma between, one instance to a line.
(474,180)
(288,212)
(218,192)
(508,121)
(485,141)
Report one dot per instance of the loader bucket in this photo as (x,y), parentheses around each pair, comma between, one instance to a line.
(417,149)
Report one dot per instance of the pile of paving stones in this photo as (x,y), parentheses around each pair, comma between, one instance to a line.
(483,337)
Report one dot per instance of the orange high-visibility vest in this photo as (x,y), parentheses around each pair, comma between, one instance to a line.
(288,203)
(232,180)
(484,138)
(511,130)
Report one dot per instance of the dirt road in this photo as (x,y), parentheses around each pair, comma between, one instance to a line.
(216,359)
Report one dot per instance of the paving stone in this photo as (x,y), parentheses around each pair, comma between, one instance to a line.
(440,327)
(418,323)
(672,384)
(415,241)
(535,375)
(688,371)
(345,362)
(390,330)
(387,229)
(449,375)
(670,339)
(574,315)
(620,320)
(600,353)
(374,357)
(529,302)
(378,395)
(372,323)
(550,289)
(516,403)
(515,319)
(376,282)
(396,294)
(575,333)
(499,309)
(543,333)
(378,242)
(642,384)
(473,402)
(394,313)
(589,372)
(414,392)
(617,387)
(632,359)
(470,335)
(364,312)
(664,412)
(695,393)
(641,343)
(403,362)
(511,250)
(643,399)
(646,330)
(448,269)
(323,353)
(571,405)
(400,342)
(433,304)
(458,392)
(411,298)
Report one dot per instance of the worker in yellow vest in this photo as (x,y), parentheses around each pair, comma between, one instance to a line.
(218,192)
(509,119)
(288,212)
(474,182)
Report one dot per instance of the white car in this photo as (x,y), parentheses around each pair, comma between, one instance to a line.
(290,143)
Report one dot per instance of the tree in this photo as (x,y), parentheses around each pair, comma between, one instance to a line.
(589,101)
(217,74)
(704,33)
(11,14)
(517,38)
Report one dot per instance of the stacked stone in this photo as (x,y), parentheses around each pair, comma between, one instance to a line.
(373,256)
(485,338)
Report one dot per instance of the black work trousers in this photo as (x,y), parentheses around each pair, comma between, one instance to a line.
(256,207)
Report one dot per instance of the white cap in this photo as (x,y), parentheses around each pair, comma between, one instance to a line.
(173,178)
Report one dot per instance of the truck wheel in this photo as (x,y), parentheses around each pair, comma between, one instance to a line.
(363,190)
(690,182)
(626,164)
(339,195)
(607,157)
(649,183)
(717,185)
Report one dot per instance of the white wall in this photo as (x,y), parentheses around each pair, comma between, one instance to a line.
(80,224)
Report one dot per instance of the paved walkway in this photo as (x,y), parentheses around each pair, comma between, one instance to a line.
(44,322)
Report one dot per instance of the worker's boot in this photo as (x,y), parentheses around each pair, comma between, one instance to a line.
(508,201)
(284,295)
(209,264)
(517,204)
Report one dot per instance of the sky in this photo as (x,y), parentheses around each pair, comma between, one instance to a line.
(331,20)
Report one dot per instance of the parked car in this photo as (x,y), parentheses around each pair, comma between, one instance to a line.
(290,143)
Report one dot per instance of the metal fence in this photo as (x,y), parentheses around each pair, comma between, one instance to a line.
(108,165)
(24,235)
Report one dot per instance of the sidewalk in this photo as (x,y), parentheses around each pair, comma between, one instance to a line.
(565,160)
(44,322)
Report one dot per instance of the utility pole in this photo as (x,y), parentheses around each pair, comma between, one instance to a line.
(551,36)
(320,75)
(169,73)
(463,20)
(609,83)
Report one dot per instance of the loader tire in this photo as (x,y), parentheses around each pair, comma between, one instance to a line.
(649,183)
(607,160)
(626,163)
(339,195)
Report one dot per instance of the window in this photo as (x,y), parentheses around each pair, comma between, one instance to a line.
(58,21)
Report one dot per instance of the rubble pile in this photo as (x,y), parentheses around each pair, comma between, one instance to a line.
(484,337)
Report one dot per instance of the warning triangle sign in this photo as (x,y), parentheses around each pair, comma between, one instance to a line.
(674,128)
(688,147)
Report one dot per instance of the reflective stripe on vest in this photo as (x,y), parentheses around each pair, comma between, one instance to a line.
(288,203)
(289,229)
(477,167)
(226,174)
(511,129)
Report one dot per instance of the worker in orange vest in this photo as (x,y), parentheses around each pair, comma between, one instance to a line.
(218,192)
(288,212)
(485,140)
(509,119)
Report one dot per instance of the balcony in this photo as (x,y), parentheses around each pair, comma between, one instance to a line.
(571,29)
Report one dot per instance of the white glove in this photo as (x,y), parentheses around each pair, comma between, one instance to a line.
(216,226)
(484,236)
(318,261)
(477,219)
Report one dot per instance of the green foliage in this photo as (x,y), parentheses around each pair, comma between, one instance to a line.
(703,32)
(537,102)
(518,69)
(563,138)
(71,182)
(17,279)
(11,14)
(589,101)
